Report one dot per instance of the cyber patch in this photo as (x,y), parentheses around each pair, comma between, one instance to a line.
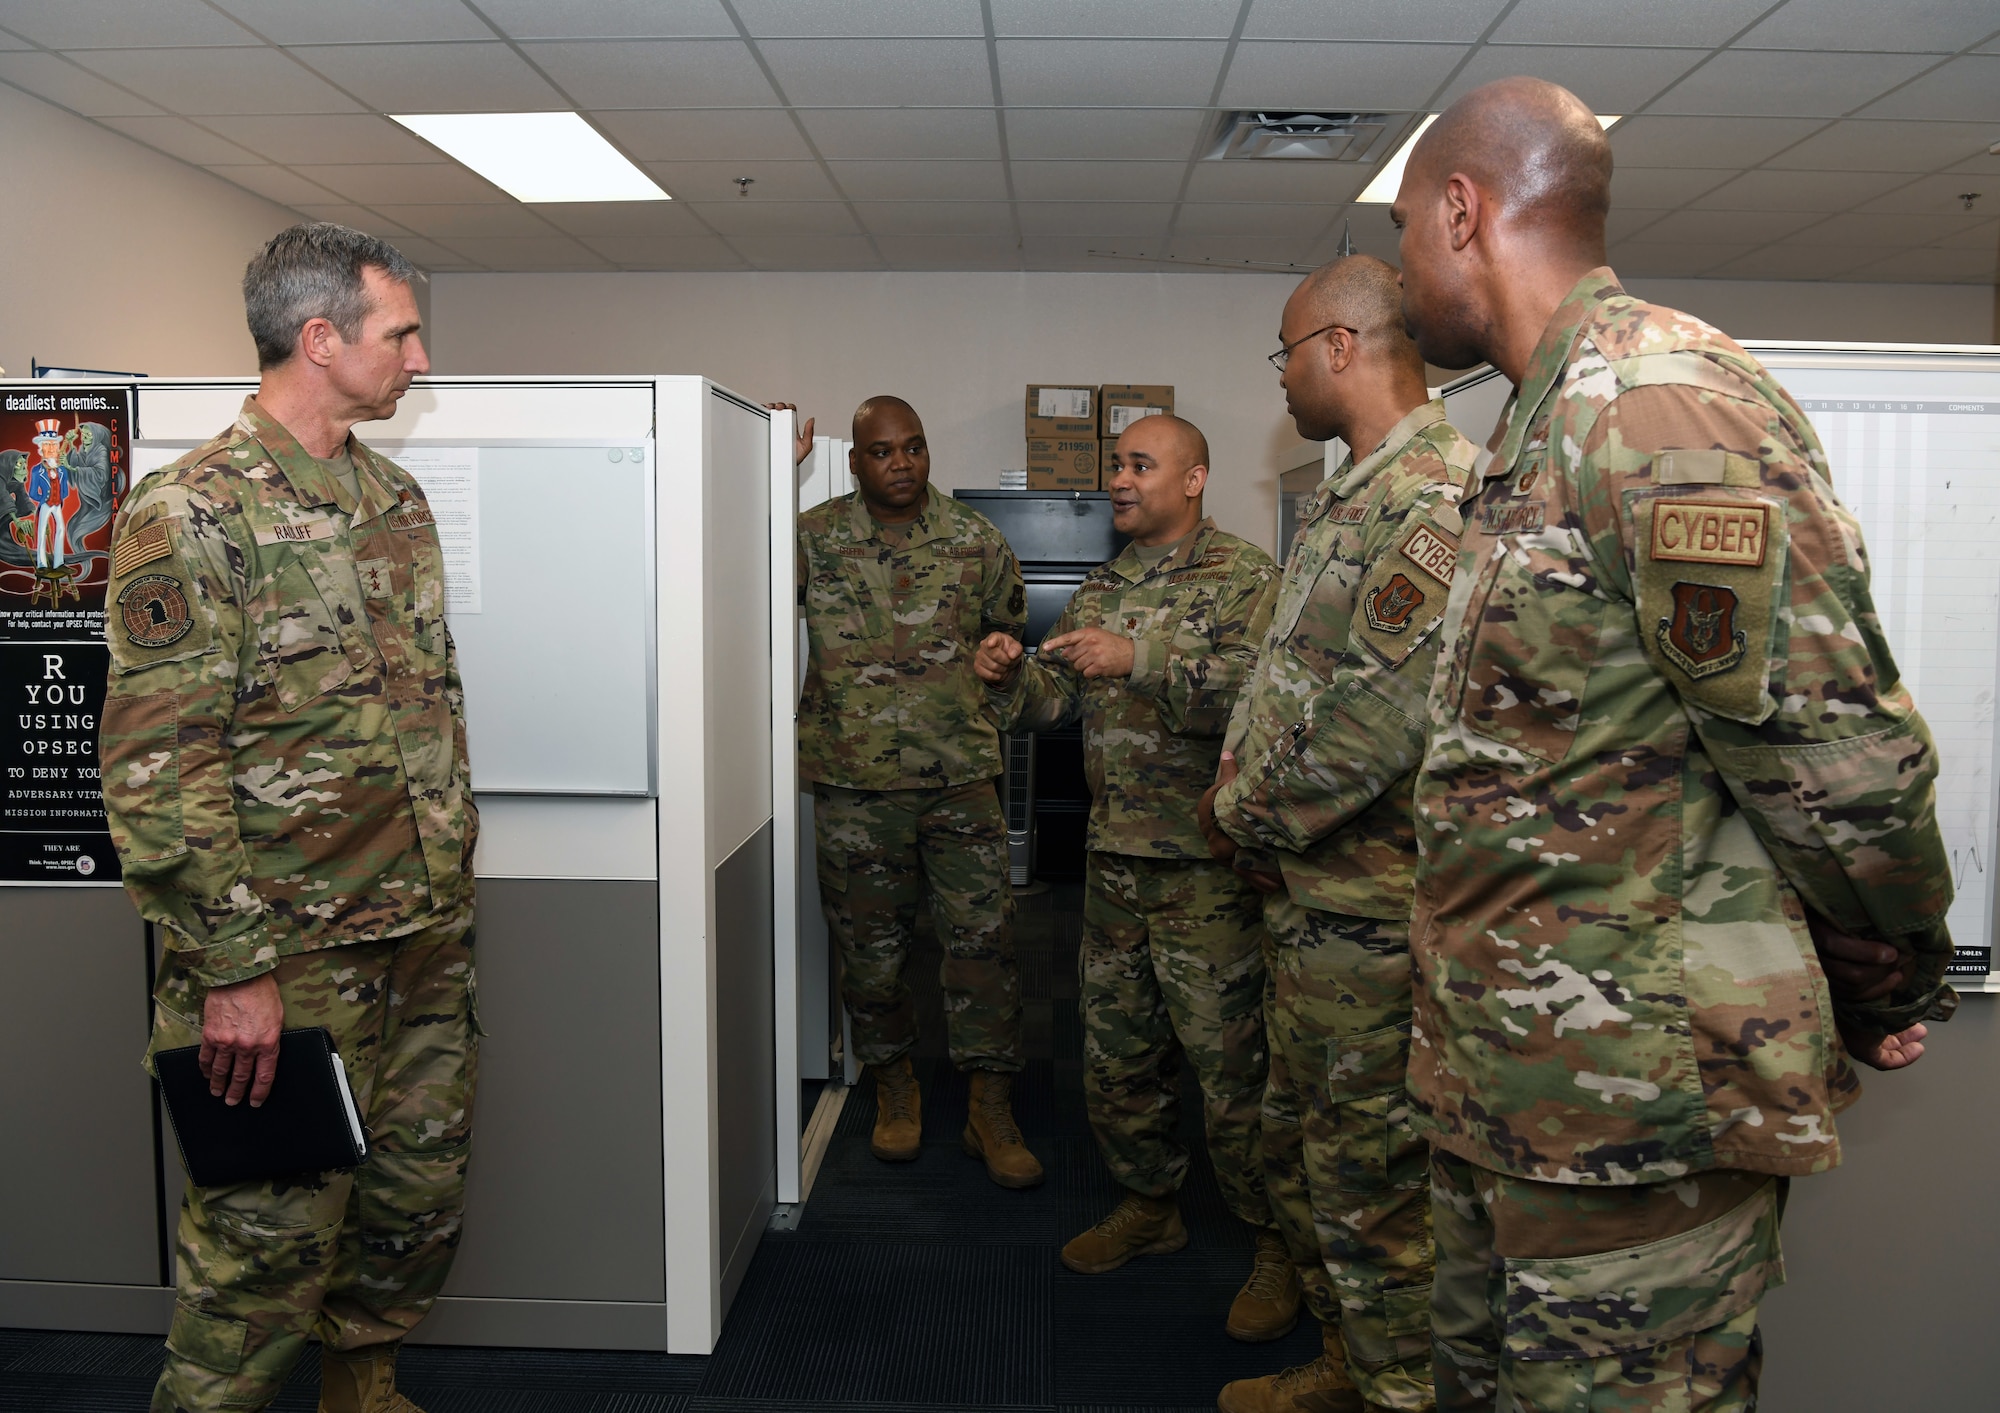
(154,612)
(1391,607)
(410,515)
(1432,551)
(1500,518)
(141,547)
(1701,637)
(1710,532)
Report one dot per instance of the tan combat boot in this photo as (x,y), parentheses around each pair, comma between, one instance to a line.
(899,1110)
(1319,1387)
(361,1382)
(1138,1226)
(992,1134)
(1268,1305)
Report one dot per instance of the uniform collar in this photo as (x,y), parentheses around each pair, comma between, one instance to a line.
(930,523)
(1546,364)
(312,483)
(1132,569)
(1350,476)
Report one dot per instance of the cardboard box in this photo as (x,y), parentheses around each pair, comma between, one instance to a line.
(1125,403)
(1062,463)
(1106,449)
(1061,411)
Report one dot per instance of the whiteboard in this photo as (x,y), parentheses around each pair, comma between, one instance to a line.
(1913,438)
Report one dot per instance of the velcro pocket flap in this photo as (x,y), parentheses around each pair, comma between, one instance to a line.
(1362,1066)
(212,1341)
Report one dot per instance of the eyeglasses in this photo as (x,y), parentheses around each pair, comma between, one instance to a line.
(1284,355)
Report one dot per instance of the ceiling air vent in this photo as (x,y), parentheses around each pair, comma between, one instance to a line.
(1296,137)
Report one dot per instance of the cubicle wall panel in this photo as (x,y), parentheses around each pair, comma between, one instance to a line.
(745,1077)
(564,1192)
(77,1192)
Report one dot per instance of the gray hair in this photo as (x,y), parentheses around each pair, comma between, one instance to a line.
(313,271)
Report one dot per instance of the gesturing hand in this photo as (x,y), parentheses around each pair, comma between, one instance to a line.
(240,1025)
(802,433)
(998,659)
(1093,652)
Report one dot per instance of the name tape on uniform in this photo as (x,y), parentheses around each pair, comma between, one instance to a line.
(1431,551)
(297,532)
(1710,532)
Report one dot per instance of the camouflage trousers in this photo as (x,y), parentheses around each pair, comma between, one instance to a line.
(354,1259)
(1553,1298)
(1172,965)
(880,851)
(1347,1173)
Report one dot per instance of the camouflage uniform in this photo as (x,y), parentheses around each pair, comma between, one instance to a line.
(1172,960)
(1327,734)
(1665,723)
(893,734)
(283,754)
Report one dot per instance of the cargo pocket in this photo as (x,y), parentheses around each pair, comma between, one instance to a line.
(832,868)
(1375,1143)
(212,1341)
(300,645)
(1580,1308)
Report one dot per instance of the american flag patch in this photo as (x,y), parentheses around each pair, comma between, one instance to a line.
(141,547)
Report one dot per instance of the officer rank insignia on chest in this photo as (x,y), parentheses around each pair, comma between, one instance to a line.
(1431,551)
(1391,607)
(376,578)
(154,612)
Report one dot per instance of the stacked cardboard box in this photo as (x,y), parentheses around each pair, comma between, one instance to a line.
(1125,403)
(1061,425)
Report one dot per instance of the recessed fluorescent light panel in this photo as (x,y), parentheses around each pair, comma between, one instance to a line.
(1382,191)
(537,156)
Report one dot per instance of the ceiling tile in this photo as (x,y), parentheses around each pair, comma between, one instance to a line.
(1662,187)
(1627,222)
(434,78)
(1985,164)
(1790,84)
(360,218)
(1939,193)
(279,184)
(1861,145)
(1897,229)
(1981,235)
(921,181)
(450,222)
(1344,77)
(893,132)
(1668,259)
(1935,266)
(1609,80)
(1191,19)
(1197,221)
(1145,218)
(842,18)
(1072,252)
(1099,181)
(1324,183)
(1792,262)
(101,24)
(1936,26)
(8,41)
(355,21)
(591,219)
(711,134)
(1104,133)
(666,252)
(1965,88)
(177,137)
(769,181)
(430,255)
(775,217)
(1447,21)
(1770,190)
(791,252)
(324,137)
(686,73)
(1648,141)
(1703,23)
(1374,234)
(545,252)
(59,81)
(403,183)
(1161,72)
(877,72)
(949,252)
(203,81)
(1745,228)
(909,218)
(610,19)
(1238,252)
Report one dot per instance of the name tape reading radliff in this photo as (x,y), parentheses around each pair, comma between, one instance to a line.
(1710,532)
(1431,551)
(297,532)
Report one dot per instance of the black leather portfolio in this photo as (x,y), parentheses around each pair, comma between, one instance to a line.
(308,1124)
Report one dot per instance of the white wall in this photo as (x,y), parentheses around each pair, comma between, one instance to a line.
(117,257)
(961,347)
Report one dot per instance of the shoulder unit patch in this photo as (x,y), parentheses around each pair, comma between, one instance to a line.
(1710,532)
(1432,551)
(154,611)
(1391,607)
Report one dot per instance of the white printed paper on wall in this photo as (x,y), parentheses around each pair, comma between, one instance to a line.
(450,478)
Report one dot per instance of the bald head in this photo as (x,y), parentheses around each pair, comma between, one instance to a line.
(1168,439)
(881,403)
(1532,147)
(1361,293)
(1156,479)
(1350,364)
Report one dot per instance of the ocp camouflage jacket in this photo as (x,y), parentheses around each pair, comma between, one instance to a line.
(283,744)
(1664,719)
(1151,740)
